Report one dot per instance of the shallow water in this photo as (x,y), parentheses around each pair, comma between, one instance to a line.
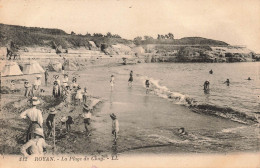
(148,121)
(241,95)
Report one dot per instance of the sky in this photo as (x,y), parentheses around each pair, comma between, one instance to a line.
(236,22)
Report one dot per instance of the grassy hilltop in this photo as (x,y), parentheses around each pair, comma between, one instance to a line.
(163,48)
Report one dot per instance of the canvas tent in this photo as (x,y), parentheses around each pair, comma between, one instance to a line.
(11,69)
(55,66)
(33,67)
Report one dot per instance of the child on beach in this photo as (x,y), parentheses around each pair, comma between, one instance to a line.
(28,88)
(56,90)
(67,97)
(130,80)
(66,121)
(85,95)
(36,85)
(49,121)
(12,86)
(147,85)
(115,126)
(86,116)
(79,96)
(112,82)
(36,145)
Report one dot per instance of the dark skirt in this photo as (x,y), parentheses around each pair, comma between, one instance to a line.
(87,121)
(130,79)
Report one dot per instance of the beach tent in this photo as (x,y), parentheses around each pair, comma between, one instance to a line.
(55,66)
(33,67)
(11,69)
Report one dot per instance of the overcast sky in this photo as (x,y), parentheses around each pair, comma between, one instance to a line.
(233,21)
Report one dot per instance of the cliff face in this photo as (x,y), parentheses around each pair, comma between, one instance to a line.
(200,53)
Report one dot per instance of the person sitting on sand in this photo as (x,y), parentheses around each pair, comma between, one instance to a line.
(112,82)
(49,121)
(35,146)
(79,96)
(182,131)
(115,126)
(147,85)
(131,79)
(66,121)
(87,117)
(211,72)
(227,82)
(12,86)
(206,85)
(28,88)
(85,95)
(35,117)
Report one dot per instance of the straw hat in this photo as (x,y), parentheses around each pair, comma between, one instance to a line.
(113,116)
(64,119)
(39,131)
(38,76)
(35,101)
(53,111)
(85,106)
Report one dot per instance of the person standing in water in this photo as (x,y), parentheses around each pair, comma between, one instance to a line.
(206,85)
(112,82)
(130,81)
(147,85)
(227,82)
(211,72)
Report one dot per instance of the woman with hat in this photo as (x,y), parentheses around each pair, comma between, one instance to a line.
(27,87)
(86,116)
(115,126)
(36,145)
(35,117)
(49,121)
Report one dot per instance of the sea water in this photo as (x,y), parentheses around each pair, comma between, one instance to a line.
(150,121)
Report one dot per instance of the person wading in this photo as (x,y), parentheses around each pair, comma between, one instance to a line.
(35,118)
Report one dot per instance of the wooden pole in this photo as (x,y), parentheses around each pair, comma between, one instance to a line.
(54,146)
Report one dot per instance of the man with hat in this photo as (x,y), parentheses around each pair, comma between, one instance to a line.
(36,145)
(49,121)
(86,116)
(115,126)
(35,117)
